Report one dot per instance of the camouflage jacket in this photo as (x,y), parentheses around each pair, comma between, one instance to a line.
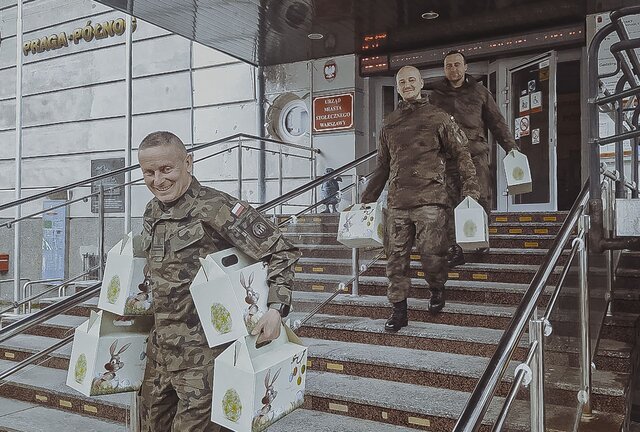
(475,111)
(203,221)
(415,140)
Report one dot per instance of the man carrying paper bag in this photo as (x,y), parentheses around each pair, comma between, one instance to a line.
(254,387)
(183,223)
(125,290)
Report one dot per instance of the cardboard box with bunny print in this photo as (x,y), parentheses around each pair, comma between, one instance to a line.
(361,225)
(472,225)
(108,354)
(254,387)
(124,289)
(230,293)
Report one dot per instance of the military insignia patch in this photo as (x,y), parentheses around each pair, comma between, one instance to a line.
(238,209)
(260,230)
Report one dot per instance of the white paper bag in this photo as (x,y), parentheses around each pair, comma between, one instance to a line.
(516,169)
(108,354)
(361,225)
(123,290)
(254,387)
(230,293)
(472,225)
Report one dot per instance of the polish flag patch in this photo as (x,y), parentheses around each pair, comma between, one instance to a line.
(238,209)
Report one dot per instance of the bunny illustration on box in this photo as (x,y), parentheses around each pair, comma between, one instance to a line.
(108,380)
(108,354)
(230,294)
(141,301)
(125,289)
(252,313)
(255,386)
(265,414)
(361,225)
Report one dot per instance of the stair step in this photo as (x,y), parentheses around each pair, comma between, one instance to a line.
(495,240)
(58,327)
(511,273)
(410,405)
(612,355)
(19,416)
(304,420)
(494,255)
(47,387)
(457,290)
(378,307)
(455,371)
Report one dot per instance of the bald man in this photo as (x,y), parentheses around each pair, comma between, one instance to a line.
(415,141)
(184,222)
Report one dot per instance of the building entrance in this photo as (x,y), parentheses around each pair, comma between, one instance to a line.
(539,96)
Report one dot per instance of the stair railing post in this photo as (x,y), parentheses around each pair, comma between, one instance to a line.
(355,252)
(240,169)
(536,333)
(609,216)
(100,230)
(280,179)
(584,395)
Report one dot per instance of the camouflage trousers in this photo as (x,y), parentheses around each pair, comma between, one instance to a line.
(426,226)
(454,190)
(177,401)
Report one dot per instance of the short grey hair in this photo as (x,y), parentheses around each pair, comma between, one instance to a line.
(162,138)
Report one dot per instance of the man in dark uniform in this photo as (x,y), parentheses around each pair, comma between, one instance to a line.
(415,140)
(184,222)
(474,109)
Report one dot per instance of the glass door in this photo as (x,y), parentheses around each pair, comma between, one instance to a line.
(532,118)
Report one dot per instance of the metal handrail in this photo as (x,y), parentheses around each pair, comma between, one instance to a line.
(318,181)
(35,357)
(515,387)
(10,223)
(135,166)
(481,396)
(341,287)
(50,311)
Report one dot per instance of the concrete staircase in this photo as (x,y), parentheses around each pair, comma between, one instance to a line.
(363,379)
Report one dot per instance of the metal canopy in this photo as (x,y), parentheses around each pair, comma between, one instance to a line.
(268,32)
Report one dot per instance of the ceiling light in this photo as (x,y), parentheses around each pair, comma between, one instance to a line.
(430,15)
(315,36)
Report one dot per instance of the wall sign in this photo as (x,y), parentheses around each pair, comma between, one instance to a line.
(54,235)
(113,191)
(87,33)
(333,112)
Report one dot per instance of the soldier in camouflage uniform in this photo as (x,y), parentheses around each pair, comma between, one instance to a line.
(184,222)
(414,142)
(474,109)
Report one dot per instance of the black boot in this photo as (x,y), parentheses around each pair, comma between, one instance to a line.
(455,256)
(398,318)
(436,302)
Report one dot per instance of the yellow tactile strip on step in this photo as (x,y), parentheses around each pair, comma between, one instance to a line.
(502,219)
(515,230)
(65,403)
(541,231)
(419,421)
(90,408)
(525,218)
(338,407)
(550,218)
(531,244)
(335,367)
